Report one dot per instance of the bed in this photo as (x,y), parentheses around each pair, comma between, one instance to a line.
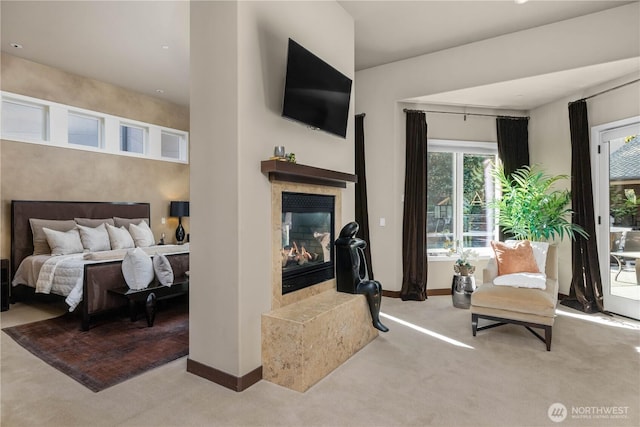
(91,275)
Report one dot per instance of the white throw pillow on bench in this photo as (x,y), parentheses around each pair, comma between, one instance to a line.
(163,269)
(137,269)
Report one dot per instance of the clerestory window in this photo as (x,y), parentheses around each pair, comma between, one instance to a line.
(85,130)
(24,120)
(39,121)
(132,139)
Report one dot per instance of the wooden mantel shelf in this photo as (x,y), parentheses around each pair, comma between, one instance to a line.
(294,172)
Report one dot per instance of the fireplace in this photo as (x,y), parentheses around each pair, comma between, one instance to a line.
(296,353)
(307,251)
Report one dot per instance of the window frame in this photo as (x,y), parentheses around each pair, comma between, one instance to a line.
(459,148)
(56,132)
(44,132)
(182,144)
(145,138)
(85,115)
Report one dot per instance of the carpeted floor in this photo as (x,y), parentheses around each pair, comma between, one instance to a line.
(112,351)
(426,371)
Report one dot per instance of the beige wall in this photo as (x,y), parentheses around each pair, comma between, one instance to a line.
(593,39)
(52,84)
(213,308)
(38,172)
(238,60)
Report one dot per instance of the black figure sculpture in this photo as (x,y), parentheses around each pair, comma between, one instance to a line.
(352,274)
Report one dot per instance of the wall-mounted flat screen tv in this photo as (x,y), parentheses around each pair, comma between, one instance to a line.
(315,93)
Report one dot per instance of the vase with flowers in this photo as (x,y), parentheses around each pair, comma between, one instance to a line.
(463,284)
(462,265)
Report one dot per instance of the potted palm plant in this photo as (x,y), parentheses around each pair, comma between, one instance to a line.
(530,209)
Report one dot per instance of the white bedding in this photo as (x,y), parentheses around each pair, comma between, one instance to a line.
(63,275)
(60,275)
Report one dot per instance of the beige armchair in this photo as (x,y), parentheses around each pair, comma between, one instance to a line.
(531,308)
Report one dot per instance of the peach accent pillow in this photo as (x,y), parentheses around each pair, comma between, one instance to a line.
(515,259)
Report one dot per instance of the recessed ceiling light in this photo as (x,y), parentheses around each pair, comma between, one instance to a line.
(16,45)
(165,47)
(520,1)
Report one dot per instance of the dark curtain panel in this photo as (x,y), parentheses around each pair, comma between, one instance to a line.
(513,142)
(414,223)
(586,284)
(362,211)
(513,148)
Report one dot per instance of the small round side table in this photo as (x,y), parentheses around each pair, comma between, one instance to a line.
(461,289)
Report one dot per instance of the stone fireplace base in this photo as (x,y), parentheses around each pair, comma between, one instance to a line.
(305,341)
(313,330)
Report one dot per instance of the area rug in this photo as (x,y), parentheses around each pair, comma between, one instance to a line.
(113,350)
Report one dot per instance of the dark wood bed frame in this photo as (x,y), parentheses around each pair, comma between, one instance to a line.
(99,277)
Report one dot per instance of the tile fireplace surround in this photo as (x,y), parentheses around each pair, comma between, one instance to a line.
(309,332)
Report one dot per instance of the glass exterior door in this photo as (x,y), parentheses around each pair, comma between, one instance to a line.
(620,262)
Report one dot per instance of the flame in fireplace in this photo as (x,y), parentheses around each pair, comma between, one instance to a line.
(298,254)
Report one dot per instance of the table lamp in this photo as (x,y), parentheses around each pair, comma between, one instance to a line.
(179,209)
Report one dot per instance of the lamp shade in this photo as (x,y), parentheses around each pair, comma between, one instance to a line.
(179,209)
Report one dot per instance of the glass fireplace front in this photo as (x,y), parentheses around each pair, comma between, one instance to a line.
(307,251)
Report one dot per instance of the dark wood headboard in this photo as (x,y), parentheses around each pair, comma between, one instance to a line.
(22,210)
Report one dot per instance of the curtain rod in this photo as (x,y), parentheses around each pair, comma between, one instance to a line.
(408,110)
(606,90)
(361,115)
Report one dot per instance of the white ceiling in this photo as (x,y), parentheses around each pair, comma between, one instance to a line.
(528,93)
(118,42)
(121,42)
(388,31)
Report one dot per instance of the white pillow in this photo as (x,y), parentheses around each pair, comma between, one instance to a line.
(95,238)
(40,245)
(125,222)
(142,235)
(137,269)
(540,250)
(522,280)
(63,242)
(163,269)
(119,238)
